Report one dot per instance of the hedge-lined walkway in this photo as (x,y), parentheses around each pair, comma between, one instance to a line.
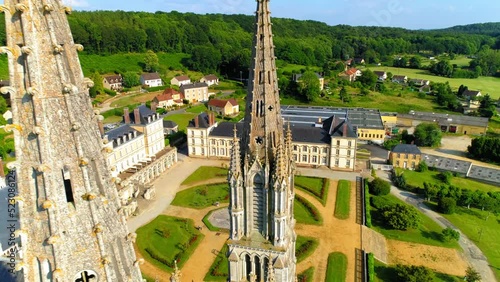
(336,235)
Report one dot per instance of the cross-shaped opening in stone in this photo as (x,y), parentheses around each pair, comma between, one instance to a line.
(85,277)
(271,108)
(259,140)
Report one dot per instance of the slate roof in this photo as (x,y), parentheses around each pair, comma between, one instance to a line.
(471,93)
(335,127)
(225,129)
(446,119)
(169,124)
(144,113)
(118,132)
(406,149)
(448,164)
(150,76)
(193,85)
(309,134)
(202,121)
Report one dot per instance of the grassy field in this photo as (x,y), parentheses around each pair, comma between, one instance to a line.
(304,247)
(305,212)
(487,85)
(197,109)
(336,268)
(484,230)
(167,238)
(219,271)
(135,99)
(203,196)
(343,199)
(317,187)
(182,120)
(387,273)
(204,173)
(306,276)
(418,178)
(428,233)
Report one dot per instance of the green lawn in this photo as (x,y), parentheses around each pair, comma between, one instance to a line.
(113,119)
(317,187)
(209,225)
(387,273)
(487,85)
(415,178)
(336,268)
(132,99)
(166,239)
(205,173)
(484,232)
(342,202)
(305,212)
(219,271)
(461,61)
(428,233)
(203,196)
(197,109)
(181,119)
(304,247)
(306,276)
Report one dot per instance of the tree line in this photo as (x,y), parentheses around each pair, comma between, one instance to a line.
(223,42)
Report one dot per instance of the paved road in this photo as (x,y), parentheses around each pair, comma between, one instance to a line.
(473,254)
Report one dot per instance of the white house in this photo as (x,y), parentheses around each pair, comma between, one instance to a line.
(210,80)
(180,80)
(152,79)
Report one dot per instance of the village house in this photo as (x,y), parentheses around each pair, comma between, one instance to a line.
(170,127)
(296,78)
(169,98)
(152,79)
(472,96)
(419,82)
(180,80)
(113,82)
(382,75)
(351,74)
(401,79)
(224,107)
(359,61)
(405,156)
(210,80)
(195,92)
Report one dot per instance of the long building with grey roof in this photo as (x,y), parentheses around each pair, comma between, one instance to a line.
(460,124)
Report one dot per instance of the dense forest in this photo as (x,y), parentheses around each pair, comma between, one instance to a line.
(222,43)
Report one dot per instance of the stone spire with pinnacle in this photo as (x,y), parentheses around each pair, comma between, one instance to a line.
(70,225)
(261,172)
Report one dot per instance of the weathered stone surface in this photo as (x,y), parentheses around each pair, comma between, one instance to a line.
(59,150)
(150,193)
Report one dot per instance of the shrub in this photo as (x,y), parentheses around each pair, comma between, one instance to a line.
(412,273)
(109,92)
(379,187)
(371,267)
(445,177)
(422,166)
(447,205)
(368,214)
(448,235)
(472,275)
(401,217)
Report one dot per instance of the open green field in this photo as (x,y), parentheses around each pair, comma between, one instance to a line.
(166,239)
(336,267)
(317,187)
(428,233)
(182,120)
(197,109)
(134,99)
(484,230)
(387,273)
(203,196)
(418,178)
(304,247)
(205,173)
(305,212)
(343,199)
(487,85)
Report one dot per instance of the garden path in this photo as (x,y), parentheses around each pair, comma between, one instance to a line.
(334,235)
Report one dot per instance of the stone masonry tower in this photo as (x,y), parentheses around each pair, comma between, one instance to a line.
(71,228)
(262,239)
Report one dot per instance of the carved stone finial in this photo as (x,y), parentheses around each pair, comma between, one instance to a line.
(48,8)
(21,7)
(98,228)
(8,89)
(89,82)
(4,8)
(26,50)
(58,49)
(6,50)
(105,260)
(38,130)
(32,91)
(89,196)
(79,47)
(76,126)
(84,161)
(47,204)
(54,239)
(10,127)
(67,10)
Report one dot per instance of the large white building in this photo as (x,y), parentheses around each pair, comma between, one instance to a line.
(195,92)
(149,123)
(331,143)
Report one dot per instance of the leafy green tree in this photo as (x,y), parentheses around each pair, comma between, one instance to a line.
(422,166)
(205,59)
(98,88)
(379,187)
(485,148)
(344,96)
(415,62)
(447,205)
(449,234)
(3,105)
(472,275)
(466,198)
(368,79)
(427,135)
(401,217)
(2,120)
(309,86)
(487,107)
(445,177)
(430,191)
(412,273)
(131,79)
(151,63)
(442,68)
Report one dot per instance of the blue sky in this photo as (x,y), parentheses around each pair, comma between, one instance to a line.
(413,14)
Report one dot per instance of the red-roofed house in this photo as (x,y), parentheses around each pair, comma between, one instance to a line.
(180,80)
(210,80)
(169,98)
(351,74)
(224,107)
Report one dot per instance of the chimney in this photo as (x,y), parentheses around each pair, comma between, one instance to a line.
(344,130)
(126,116)
(153,106)
(101,126)
(196,121)
(212,119)
(2,173)
(137,116)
